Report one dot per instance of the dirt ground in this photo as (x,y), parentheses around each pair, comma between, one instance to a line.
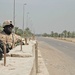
(57,62)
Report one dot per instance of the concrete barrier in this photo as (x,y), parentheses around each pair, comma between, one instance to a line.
(23,62)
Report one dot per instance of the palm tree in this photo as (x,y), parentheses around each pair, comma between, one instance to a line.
(73,34)
(52,34)
(65,33)
(55,34)
(68,34)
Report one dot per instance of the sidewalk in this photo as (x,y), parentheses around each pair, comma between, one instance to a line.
(18,62)
(22,62)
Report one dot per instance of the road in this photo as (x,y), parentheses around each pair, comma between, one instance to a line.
(59,56)
(67,48)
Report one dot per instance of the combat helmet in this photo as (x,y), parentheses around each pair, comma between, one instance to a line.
(7,23)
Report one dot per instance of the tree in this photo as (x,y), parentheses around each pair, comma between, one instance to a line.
(45,35)
(68,34)
(55,34)
(52,34)
(73,34)
(27,32)
(1,28)
(16,29)
(65,33)
(20,32)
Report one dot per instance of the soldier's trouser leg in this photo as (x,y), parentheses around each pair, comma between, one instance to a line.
(1,56)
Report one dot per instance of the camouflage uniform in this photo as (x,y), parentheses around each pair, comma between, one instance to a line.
(17,39)
(6,38)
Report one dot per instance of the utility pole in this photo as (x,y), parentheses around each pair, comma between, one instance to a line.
(27,19)
(23,16)
(13,34)
(14,16)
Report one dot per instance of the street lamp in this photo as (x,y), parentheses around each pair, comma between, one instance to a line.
(27,19)
(14,15)
(23,16)
(13,34)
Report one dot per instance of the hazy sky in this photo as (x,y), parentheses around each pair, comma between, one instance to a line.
(44,15)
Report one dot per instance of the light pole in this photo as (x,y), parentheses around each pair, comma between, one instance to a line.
(13,34)
(23,16)
(14,15)
(27,19)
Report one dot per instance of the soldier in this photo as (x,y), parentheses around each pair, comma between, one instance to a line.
(6,37)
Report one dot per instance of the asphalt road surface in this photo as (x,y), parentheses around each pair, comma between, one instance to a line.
(66,47)
(59,56)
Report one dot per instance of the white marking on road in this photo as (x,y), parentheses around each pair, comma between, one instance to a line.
(60,44)
(65,46)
